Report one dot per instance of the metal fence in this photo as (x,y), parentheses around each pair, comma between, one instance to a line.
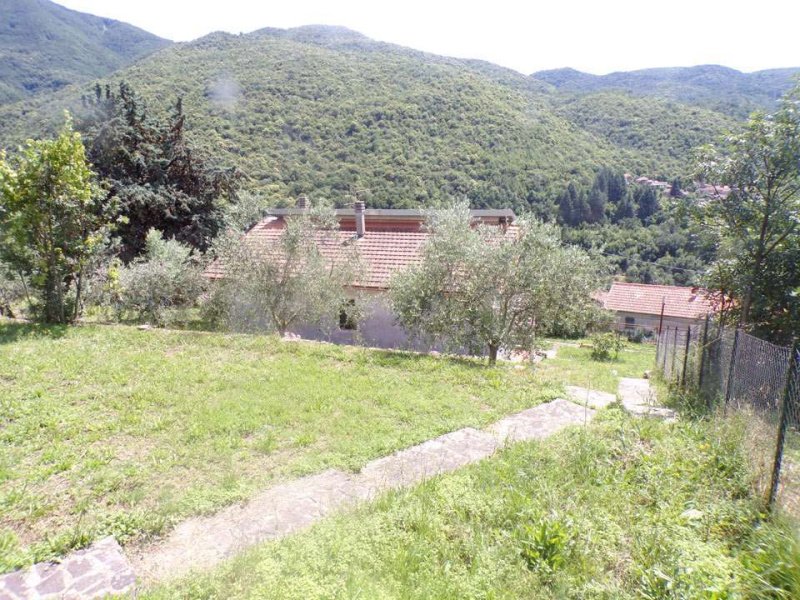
(738,374)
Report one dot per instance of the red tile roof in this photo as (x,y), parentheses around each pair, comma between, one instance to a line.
(385,248)
(642,298)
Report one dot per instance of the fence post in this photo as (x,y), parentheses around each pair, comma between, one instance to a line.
(782,423)
(658,347)
(703,344)
(664,352)
(686,356)
(674,351)
(731,367)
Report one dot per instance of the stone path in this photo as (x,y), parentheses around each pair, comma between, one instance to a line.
(635,395)
(640,400)
(99,570)
(202,542)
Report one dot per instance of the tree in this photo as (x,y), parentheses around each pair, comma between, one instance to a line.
(155,177)
(161,283)
(646,199)
(757,222)
(53,221)
(301,278)
(481,288)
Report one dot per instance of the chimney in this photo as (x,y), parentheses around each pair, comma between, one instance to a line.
(358,208)
(303,203)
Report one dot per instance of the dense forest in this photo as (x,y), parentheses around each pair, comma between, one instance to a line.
(44,47)
(326,111)
(715,87)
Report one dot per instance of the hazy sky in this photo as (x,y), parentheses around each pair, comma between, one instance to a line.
(597,36)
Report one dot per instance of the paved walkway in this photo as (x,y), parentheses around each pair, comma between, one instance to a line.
(202,542)
(636,396)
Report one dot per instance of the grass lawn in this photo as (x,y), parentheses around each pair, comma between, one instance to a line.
(112,430)
(573,365)
(625,508)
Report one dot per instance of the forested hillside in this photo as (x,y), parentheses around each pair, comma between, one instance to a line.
(44,46)
(326,111)
(711,86)
(660,133)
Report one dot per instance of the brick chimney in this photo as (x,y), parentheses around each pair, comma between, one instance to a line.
(358,208)
(303,203)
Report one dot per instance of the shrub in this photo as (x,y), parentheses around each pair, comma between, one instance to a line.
(606,346)
(161,285)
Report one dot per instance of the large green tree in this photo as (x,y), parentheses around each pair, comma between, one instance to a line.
(758,222)
(155,176)
(53,221)
(485,289)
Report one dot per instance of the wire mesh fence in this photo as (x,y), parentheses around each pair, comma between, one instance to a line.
(739,374)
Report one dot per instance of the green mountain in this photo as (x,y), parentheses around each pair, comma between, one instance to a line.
(44,46)
(660,134)
(326,111)
(711,86)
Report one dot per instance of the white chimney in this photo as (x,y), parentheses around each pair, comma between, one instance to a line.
(358,208)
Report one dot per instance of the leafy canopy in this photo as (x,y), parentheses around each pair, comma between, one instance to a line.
(757,224)
(485,289)
(53,222)
(300,280)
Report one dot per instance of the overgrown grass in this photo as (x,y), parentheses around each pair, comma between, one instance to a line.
(623,509)
(111,430)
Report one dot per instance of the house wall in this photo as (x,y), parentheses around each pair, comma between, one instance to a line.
(650,322)
(376,329)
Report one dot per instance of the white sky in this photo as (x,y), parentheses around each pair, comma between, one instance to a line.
(597,36)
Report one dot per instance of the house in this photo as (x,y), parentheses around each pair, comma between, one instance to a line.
(387,240)
(647,307)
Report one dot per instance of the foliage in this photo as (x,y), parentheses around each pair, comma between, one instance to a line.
(642,509)
(13,289)
(486,289)
(52,222)
(301,280)
(46,47)
(106,428)
(303,112)
(606,346)
(155,176)
(164,280)
(546,544)
(712,87)
(758,223)
(660,135)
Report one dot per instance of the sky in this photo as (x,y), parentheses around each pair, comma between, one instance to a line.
(596,36)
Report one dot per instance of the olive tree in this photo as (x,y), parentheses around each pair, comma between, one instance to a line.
(301,276)
(485,289)
(52,221)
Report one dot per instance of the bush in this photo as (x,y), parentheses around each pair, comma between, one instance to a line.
(163,284)
(606,346)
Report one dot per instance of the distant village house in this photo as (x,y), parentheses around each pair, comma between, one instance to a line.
(646,307)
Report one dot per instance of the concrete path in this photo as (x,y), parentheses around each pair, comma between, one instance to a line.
(639,399)
(636,396)
(202,542)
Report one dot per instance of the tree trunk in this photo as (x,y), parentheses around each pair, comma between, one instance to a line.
(493,354)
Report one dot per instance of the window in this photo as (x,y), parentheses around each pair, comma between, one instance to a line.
(629,322)
(347,316)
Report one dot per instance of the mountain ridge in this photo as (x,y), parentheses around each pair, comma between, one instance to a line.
(45,46)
